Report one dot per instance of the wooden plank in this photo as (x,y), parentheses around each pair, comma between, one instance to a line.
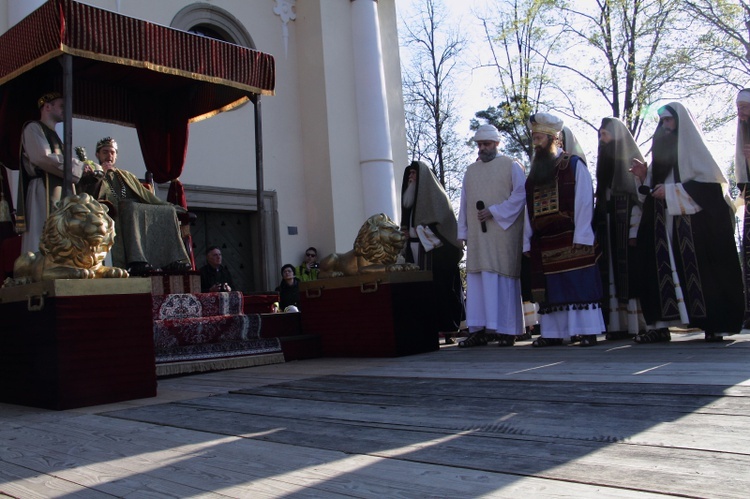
(18,481)
(239,467)
(700,432)
(719,399)
(552,458)
(100,477)
(729,372)
(546,406)
(516,422)
(526,443)
(89,463)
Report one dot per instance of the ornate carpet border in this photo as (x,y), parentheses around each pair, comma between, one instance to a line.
(226,349)
(175,368)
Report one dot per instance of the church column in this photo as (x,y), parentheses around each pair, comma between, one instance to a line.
(375,152)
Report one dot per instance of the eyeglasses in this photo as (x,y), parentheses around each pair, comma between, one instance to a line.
(310,255)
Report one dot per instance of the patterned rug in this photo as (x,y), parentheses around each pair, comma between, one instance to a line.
(207,332)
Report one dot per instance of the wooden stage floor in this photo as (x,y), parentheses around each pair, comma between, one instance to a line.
(615,420)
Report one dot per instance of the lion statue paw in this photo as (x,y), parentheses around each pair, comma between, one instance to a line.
(376,249)
(401,267)
(75,240)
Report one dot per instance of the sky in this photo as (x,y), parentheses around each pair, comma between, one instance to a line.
(475,93)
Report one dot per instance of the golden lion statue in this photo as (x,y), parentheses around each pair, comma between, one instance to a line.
(75,240)
(376,249)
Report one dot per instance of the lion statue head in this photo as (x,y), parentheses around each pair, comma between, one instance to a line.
(379,240)
(79,233)
(75,241)
(376,249)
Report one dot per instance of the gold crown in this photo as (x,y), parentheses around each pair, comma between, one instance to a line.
(48,97)
(106,141)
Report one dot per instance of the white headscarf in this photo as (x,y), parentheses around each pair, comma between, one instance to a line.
(571,144)
(625,151)
(694,160)
(740,162)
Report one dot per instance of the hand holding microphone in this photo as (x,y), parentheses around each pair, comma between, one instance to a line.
(480,206)
(657,191)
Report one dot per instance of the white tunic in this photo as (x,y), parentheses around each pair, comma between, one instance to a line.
(39,156)
(493,301)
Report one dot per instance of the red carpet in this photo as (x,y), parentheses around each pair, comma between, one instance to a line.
(208,331)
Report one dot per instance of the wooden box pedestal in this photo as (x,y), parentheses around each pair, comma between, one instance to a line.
(373,315)
(75,343)
(165,283)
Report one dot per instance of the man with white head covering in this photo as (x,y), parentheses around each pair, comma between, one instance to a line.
(559,240)
(616,218)
(490,223)
(428,219)
(742,174)
(689,270)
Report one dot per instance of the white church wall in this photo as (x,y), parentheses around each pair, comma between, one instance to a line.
(310,133)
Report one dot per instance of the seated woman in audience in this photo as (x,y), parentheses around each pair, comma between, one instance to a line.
(288,288)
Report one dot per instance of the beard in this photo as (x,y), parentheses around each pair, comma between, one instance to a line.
(543,166)
(487,155)
(605,165)
(409,196)
(664,154)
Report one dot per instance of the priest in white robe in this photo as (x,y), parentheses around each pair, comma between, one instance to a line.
(490,223)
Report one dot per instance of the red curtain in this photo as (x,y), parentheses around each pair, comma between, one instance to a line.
(163,133)
(162,128)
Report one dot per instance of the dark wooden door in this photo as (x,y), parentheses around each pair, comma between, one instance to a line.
(232,232)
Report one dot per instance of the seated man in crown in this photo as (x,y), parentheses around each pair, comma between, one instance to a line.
(147,230)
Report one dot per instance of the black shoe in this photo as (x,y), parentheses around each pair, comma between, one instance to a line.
(619,335)
(547,342)
(178,266)
(139,269)
(478,339)
(661,335)
(714,338)
(506,340)
(588,340)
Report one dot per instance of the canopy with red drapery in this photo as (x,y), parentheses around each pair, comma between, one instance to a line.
(126,71)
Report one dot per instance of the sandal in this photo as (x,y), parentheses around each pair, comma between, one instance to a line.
(619,335)
(653,336)
(506,340)
(588,340)
(478,339)
(576,338)
(546,342)
(714,338)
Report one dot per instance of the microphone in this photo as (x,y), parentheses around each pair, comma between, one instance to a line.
(480,206)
